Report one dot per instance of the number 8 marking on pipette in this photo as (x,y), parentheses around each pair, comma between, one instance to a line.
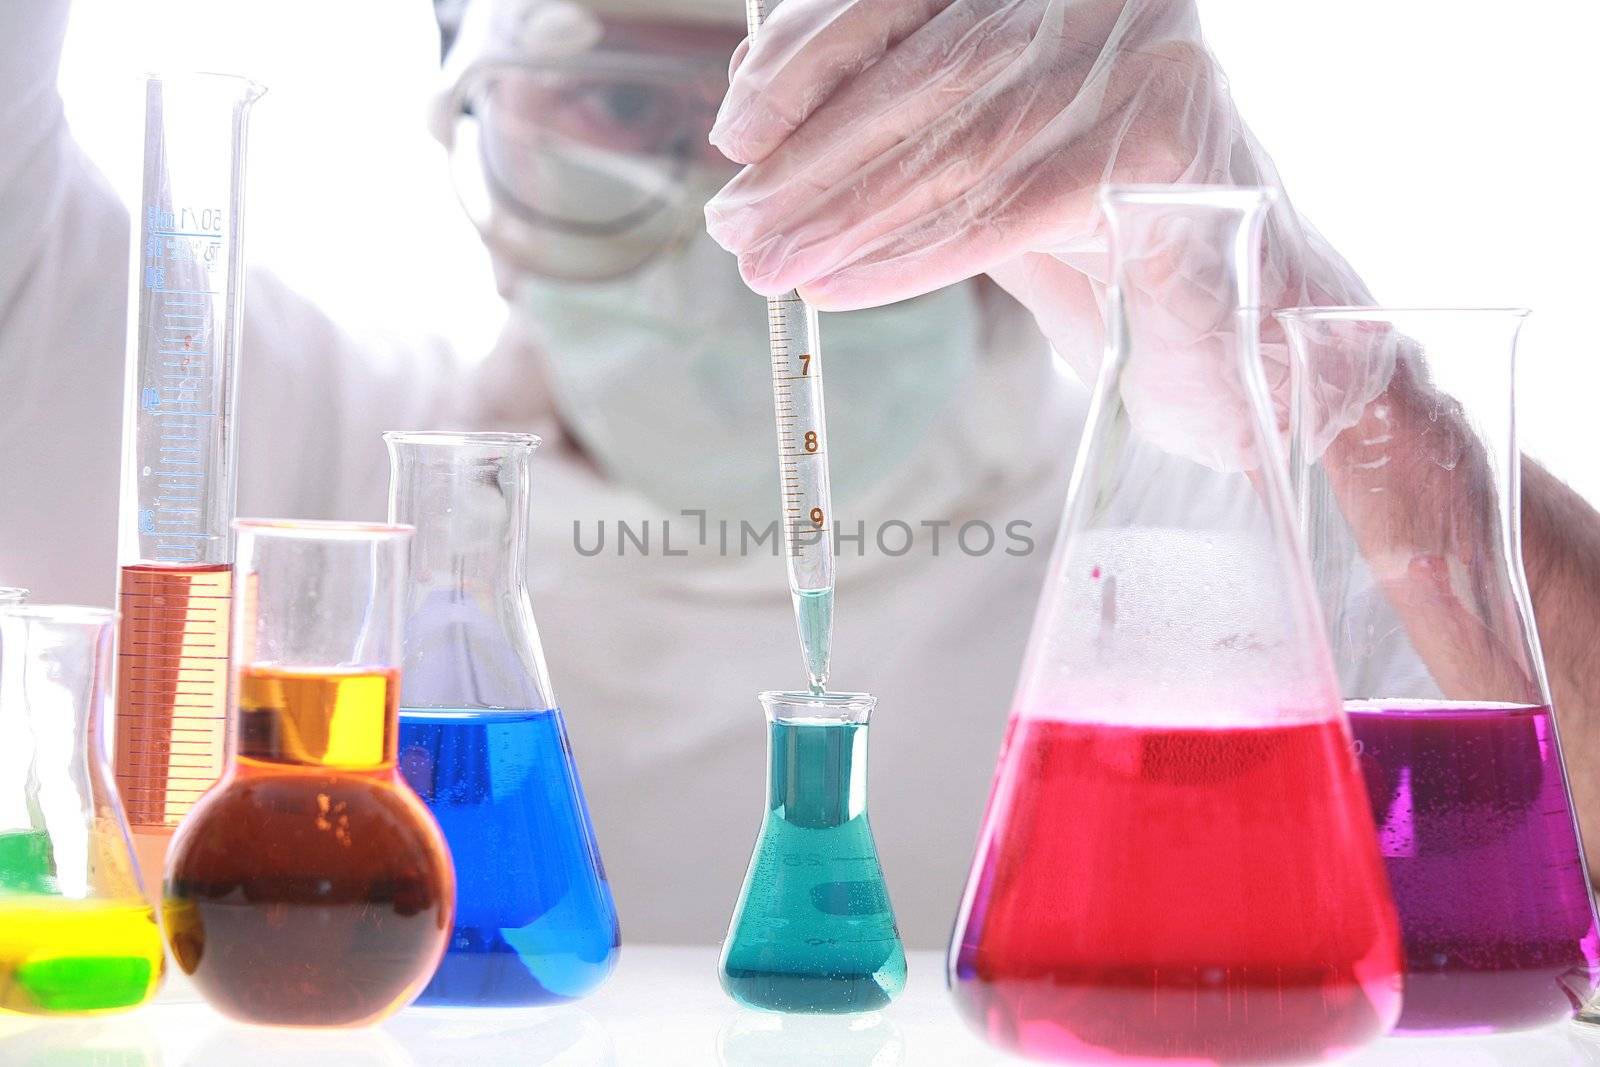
(790,320)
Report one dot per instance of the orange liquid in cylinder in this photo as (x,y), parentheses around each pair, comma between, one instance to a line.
(172,690)
(311,887)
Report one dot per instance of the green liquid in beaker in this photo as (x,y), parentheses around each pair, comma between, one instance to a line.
(814,930)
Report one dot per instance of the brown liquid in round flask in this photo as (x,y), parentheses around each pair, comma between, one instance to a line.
(310,886)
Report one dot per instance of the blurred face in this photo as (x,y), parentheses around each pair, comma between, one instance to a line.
(593,164)
(669,104)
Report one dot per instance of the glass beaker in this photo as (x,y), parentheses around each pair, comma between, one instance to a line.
(813,930)
(1177,860)
(482,740)
(310,886)
(179,453)
(1412,514)
(77,934)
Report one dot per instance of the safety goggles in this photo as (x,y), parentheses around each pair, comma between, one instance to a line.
(586,167)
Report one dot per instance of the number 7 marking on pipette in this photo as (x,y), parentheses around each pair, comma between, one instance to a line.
(805,364)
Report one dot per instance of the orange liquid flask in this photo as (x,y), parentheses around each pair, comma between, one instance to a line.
(1178,863)
(311,887)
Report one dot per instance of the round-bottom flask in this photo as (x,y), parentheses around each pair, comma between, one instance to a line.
(310,886)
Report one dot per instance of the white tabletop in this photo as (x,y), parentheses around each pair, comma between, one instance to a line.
(663,1008)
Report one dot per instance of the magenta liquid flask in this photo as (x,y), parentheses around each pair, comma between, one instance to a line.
(1411,509)
(1178,861)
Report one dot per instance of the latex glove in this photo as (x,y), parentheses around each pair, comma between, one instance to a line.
(896,146)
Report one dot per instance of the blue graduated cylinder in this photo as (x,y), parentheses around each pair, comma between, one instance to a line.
(535,921)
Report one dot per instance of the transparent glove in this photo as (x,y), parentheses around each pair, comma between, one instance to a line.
(897,146)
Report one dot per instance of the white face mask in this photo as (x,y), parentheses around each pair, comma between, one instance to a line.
(664,376)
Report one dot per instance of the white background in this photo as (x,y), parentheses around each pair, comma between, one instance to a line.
(1447,147)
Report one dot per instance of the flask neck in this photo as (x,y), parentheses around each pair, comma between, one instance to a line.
(54,675)
(470,637)
(1425,483)
(1184,312)
(338,719)
(469,506)
(1181,412)
(54,785)
(817,772)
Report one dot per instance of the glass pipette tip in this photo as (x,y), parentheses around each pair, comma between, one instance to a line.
(796,349)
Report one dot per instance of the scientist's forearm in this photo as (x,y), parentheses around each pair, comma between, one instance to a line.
(1561,554)
(1422,499)
(1392,491)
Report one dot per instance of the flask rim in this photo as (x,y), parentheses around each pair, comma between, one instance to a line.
(782,706)
(1378,313)
(324,529)
(247,89)
(60,613)
(462,437)
(1241,197)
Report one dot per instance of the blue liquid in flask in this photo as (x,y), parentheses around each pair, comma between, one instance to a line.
(535,922)
(814,930)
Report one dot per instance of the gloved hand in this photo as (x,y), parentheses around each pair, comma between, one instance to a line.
(897,146)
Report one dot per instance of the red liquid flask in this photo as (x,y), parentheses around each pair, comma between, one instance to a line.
(1178,862)
(1412,515)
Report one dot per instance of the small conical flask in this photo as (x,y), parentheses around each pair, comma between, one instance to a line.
(310,886)
(482,739)
(1178,861)
(76,932)
(1412,514)
(814,930)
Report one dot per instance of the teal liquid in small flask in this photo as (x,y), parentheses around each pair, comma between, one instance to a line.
(814,930)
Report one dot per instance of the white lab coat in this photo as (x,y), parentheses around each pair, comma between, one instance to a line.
(656,660)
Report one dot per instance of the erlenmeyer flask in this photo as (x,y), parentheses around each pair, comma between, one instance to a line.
(1177,861)
(481,737)
(76,932)
(814,930)
(310,886)
(1413,519)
